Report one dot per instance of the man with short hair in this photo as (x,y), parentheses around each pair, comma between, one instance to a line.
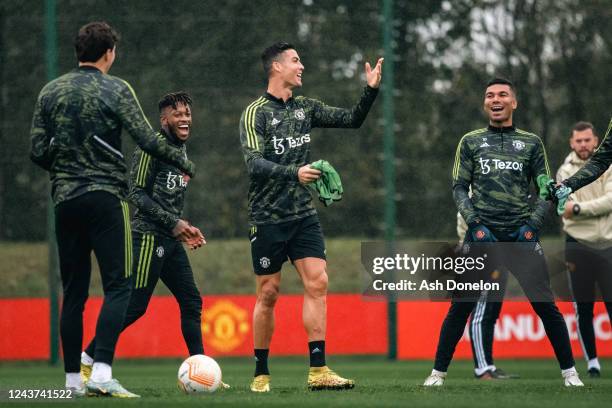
(599,162)
(499,163)
(76,136)
(158,191)
(587,222)
(275,137)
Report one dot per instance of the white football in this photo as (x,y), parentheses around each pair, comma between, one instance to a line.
(199,373)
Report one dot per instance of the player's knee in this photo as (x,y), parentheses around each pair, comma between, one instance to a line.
(317,286)
(268,295)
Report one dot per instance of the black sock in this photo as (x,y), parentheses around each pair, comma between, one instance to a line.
(261,362)
(317,353)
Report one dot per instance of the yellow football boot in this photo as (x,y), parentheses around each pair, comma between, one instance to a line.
(323,378)
(261,383)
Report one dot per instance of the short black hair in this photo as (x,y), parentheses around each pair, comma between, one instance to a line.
(174,98)
(582,125)
(93,40)
(502,81)
(272,53)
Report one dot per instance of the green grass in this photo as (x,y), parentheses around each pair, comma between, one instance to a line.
(379,384)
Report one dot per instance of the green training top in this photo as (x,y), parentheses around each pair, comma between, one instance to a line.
(499,164)
(275,138)
(596,166)
(157,190)
(76,134)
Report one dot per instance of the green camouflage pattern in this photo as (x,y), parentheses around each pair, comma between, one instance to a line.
(499,165)
(596,166)
(76,134)
(157,190)
(275,139)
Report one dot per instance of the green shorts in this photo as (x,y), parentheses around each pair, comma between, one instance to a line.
(273,244)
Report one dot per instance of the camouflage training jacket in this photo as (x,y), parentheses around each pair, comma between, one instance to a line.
(275,138)
(157,190)
(499,164)
(596,166)
(76,134)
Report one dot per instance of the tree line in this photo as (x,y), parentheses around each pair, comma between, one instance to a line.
(557,52)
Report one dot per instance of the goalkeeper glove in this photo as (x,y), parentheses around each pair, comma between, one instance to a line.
(526,233)
(550,191)
(480,233)
(546,185)
(562,193)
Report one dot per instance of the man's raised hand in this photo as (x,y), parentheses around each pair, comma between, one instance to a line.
(373,76)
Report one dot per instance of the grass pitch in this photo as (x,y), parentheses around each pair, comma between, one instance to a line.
(380,383)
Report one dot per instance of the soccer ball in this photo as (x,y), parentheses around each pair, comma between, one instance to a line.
(199,373)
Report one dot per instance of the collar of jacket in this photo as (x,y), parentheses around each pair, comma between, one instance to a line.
(90,68)
(574,159)
(171,137)
(503,129)
(280,101)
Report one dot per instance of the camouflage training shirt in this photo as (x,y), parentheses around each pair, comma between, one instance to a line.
(275,138)
(499,164)
(596,166)
(157,190)
(76,134)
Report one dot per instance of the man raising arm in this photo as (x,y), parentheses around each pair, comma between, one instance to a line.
(275,137)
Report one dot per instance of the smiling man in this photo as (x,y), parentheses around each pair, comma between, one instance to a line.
(158,191)
(76,136)
(275,137)
(499,163)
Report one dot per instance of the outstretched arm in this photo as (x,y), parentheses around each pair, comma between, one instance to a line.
(325,116)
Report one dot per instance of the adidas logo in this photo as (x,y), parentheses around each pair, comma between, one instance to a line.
(275,122)
(316,350)
(485,144)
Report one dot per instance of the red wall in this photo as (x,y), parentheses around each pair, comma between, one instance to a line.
(518,333)
(355,326)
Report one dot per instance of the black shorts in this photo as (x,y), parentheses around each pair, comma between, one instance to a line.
(273,244)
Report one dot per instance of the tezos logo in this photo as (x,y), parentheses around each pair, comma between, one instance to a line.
(264,262)
(159,251)
(497,164)
(518,145)
(299,114)
(292,142)
(175,180)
